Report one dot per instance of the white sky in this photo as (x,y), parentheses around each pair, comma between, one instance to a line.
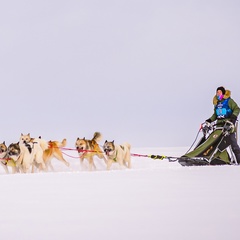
(138,71)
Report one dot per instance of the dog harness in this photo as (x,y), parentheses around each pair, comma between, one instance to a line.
(223,110)
(11,163)
(7,161)
(115,158)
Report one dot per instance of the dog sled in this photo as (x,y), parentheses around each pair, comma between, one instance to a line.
(213,148)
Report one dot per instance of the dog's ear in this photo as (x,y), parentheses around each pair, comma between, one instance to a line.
(29,134)
(78,138)
(84,138)
(18,143)
(105,141)
(21,134)
(113,141)
(4,142)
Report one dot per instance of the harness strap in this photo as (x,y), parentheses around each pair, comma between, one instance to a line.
(115,159)
(5,159)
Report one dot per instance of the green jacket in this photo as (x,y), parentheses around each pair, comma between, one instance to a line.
(231,103)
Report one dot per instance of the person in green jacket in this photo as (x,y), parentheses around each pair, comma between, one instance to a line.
(225,108)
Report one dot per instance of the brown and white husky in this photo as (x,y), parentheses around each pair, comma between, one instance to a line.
(87,149)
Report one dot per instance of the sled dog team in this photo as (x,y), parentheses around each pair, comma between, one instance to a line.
(31,154)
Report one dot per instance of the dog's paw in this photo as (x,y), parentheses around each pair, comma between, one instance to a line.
(67,164)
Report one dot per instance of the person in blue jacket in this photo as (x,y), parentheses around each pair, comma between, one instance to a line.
(225,108)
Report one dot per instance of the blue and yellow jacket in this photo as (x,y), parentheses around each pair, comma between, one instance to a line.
(231,108)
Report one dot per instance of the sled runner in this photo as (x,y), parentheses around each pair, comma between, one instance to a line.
(213,148)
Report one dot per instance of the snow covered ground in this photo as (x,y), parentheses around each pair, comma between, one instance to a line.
(154,200)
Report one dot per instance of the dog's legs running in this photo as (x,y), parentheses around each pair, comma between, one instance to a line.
(60,158)
(19,161)
(33,168)
(105,159)
(129,160)
(5,167)
(91,164)
(102,156)
(26,168)
(14,170)
(49,164)
(81,163)
(109,164)
(122,163)
(39,161)
(126,161)
(129,164)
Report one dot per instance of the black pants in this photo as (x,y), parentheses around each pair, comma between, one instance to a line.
(235,147)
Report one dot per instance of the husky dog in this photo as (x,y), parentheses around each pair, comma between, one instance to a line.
(14,151)
(117,153)
(87,149)
(31,152)
(53,151)
(4,156)
(14,154)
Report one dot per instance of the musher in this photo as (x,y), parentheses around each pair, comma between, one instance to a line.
(225,108)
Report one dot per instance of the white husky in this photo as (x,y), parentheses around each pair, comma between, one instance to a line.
(117,153)
(31,153)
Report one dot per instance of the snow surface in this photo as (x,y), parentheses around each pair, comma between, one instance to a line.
(156,199)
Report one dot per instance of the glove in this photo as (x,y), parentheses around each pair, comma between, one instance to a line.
(228,127)
(207,126)
(208,120)
(233,119)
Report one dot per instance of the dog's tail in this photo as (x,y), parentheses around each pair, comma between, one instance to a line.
(63,143)
(43,144)
(97,137)
(128,145)
(57,144)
